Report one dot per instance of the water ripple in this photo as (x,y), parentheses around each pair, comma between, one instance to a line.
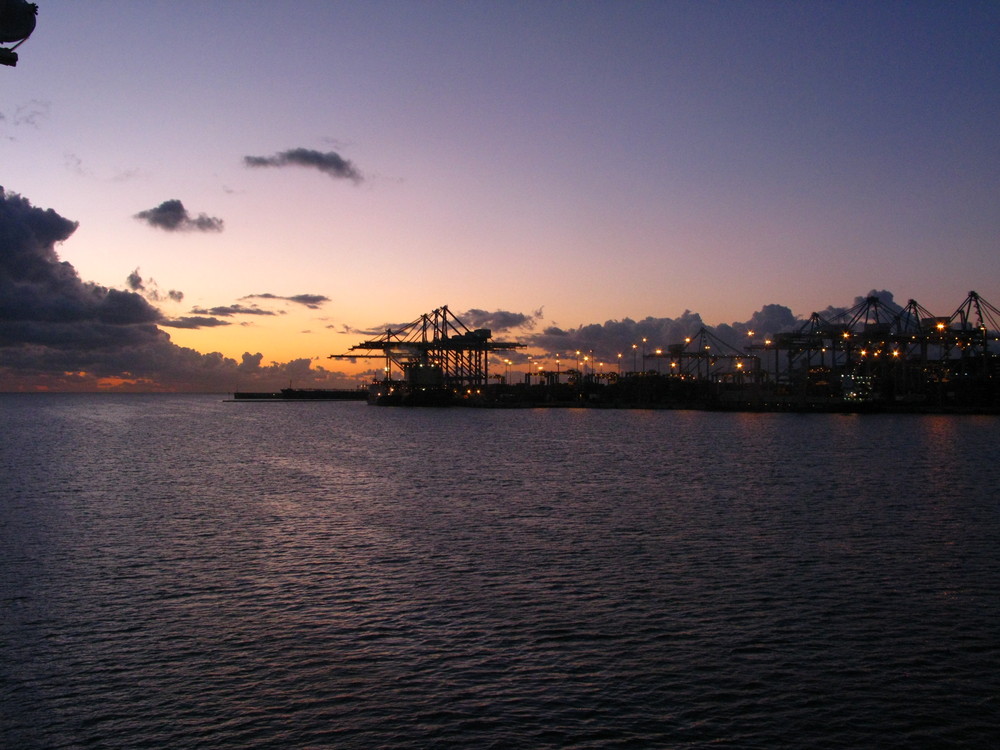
(180,572)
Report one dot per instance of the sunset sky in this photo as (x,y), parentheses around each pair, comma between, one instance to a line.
(275,177)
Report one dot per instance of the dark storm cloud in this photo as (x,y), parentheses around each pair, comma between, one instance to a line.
(58,332)
(43,302)
(172,216)
(312,301)
(330,162)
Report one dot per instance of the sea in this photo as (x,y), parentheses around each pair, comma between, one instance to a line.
(180,571)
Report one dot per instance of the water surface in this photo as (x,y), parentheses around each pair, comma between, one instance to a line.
(178,571)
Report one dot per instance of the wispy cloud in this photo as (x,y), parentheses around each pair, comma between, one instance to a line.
(30,114)
(330,162)
(312,301)
(194,322)
(171,216)
(75,165)
(226,311)
(149,289)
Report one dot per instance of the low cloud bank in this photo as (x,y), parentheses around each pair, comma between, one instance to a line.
(614,337)
(58,332)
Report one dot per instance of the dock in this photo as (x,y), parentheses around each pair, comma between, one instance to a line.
(303,394)
(870,358)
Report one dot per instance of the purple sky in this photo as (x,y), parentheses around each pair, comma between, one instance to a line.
(591,161)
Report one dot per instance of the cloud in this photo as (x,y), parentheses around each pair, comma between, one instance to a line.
(74,164)
(228,310)
(31,114)
(312,301)
(58,332)
(353,331)
(150,290)
(330,162)
(171,216)
(499,320)
(613,337)
(43,303)
(194,322)
(884,298)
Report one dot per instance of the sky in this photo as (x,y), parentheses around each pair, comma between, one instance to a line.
(258,184)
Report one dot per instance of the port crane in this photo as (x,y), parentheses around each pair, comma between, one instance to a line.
(874,348)
(705,356)
(435,351)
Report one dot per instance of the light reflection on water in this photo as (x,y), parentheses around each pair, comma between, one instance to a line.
(178,570)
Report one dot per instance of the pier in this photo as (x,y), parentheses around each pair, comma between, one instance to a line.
(302,394)
(868,358)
